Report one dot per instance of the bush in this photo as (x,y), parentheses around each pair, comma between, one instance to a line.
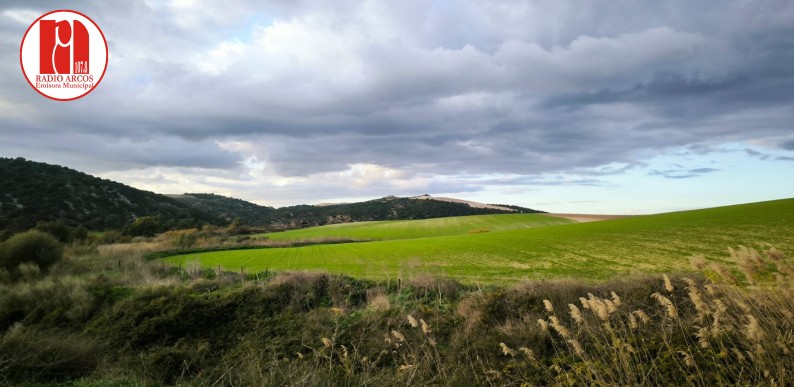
(113,236)
(148,226)
(30,247)
(29,356)
(64,233)
(57,228)
(50,301)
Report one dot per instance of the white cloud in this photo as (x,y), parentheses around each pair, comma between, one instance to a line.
(22,16)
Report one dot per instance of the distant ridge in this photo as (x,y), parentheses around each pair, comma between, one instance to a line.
(33,191)
(228,209)
(386,208)
(470,203)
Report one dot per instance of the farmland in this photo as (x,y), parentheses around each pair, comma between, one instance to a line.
(425,228)
(590,251)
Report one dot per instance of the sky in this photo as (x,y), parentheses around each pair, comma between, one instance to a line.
(618,106)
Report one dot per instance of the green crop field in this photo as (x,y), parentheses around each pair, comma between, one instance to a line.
(596,250)
(425,228)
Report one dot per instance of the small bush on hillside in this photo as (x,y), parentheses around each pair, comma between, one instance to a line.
(63,232)
(30,247)
(180,239)
(57,228)
(110,237)
(148,226)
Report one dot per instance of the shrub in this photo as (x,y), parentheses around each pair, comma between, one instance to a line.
(50,301)
(79,234)
(30,247)
(146,226)
(28,355)
(57,228)
(110,237)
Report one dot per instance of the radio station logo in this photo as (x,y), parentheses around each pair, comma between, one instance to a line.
(63,55)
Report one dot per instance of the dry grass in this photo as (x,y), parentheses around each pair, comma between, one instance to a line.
(711,330)
(722,327)
(378,300)
(729,334)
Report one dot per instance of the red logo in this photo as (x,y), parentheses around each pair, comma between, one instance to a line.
(63,55)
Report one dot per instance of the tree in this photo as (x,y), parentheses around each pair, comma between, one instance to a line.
(56,228)
(146,226)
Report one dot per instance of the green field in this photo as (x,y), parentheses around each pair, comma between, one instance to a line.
(596,250)
(425,228)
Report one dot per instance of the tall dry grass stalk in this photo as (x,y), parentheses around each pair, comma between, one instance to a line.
(672,311)
(117,250)
(716,333)
(668,285)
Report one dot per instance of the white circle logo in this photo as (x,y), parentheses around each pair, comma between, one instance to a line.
(63,55)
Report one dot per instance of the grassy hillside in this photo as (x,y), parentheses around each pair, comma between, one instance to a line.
(409,229)
(597,250)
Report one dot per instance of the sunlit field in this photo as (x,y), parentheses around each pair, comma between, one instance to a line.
(590,251)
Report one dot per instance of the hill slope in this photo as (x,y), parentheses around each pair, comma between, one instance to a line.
(227,208)
(424,228)
(596,250)
(469,203)
(32,192)
(387,208)
(302,216)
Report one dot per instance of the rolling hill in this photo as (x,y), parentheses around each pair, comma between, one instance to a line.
(425,228)
(33,191)
(303,216)
(386,208)
(228,208)
(594,250)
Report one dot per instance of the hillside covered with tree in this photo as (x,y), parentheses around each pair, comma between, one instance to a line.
(32,192)
(387,208)
(228,209)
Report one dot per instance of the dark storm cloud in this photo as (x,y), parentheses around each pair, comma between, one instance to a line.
(755,153)
(524,88)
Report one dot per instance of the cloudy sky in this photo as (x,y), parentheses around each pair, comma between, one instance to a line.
(618,106)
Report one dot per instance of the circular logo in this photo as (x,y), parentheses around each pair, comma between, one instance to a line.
(63,55)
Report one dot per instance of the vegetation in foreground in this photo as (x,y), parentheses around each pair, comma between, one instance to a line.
(596,250)
(106,316)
